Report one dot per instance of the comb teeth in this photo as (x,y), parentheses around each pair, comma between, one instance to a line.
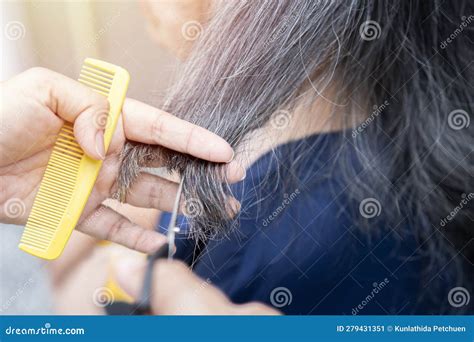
(55,191)
(98,79)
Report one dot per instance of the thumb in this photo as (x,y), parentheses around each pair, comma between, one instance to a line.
(74,102)
(175,289)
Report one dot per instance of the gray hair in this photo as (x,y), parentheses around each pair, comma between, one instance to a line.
(256,57)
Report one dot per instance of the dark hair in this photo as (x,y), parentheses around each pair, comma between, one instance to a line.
(402,73)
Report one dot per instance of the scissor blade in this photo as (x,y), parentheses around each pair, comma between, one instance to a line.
(172,224)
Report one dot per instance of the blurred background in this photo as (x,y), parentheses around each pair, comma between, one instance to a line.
(59,35)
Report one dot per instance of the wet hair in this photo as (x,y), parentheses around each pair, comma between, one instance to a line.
(402,75)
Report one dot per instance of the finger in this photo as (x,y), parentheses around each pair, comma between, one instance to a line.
(191,294)
(107,224)
(74,102)
(150,191)
(235,172)
(147,124)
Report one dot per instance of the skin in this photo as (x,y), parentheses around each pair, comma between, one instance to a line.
(180,292)
(35,105)
(166,19)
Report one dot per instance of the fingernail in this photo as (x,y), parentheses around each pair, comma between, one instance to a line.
(231,158)
(234,207)
(99,144)
(245,175)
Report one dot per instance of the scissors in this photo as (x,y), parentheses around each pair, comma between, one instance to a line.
(167,250)
(172,228)
(143,305)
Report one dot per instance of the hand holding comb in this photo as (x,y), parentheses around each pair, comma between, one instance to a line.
(70,174)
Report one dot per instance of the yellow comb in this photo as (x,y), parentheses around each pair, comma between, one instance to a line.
(70,175)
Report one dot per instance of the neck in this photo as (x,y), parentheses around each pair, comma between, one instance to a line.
(310,116)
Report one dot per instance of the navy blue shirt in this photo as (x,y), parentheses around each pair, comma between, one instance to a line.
(299,247)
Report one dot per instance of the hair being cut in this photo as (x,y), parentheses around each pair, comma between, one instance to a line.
(255,57)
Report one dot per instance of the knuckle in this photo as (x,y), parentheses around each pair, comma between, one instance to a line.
(39,73)
(114,229)
(157,128)
(140,240)
(155,196)
(189,139)
(81,130)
